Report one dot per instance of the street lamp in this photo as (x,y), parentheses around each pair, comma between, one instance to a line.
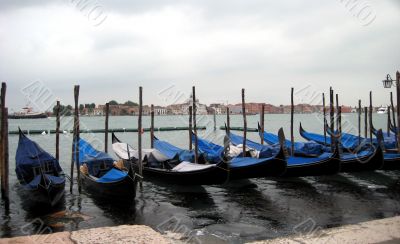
(388,83)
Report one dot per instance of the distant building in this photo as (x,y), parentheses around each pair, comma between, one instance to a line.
(98,111)
(183,108)
(158,110)
(218,107)
(235,109)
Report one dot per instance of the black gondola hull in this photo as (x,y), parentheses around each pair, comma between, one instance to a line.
(42,197)
(210,176)
(391,163)
(272,167)
(124,189)
(367,163)
(329,166)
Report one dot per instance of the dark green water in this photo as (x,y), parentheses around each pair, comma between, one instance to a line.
(241,211)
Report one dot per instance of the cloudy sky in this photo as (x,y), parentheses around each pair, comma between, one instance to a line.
(110,48)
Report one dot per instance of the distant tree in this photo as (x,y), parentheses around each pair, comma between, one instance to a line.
(130,103)
(81,107)
(64,110)
(92,105)
(124,112)
(113,102)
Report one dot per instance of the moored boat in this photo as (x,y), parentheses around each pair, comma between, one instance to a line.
(306,165)
(39,173)
(104,177)
(167,163)
(252,165)
(27,113)
(363,157)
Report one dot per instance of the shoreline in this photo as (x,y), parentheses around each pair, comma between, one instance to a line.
(375,231)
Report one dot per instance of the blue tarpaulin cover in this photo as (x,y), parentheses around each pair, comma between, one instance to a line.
(216,152)
(171,151)
(347,141)
(112,176)
(305,148)
(29,156)
(291,161)
(49,179)
(96,161)
(266,151)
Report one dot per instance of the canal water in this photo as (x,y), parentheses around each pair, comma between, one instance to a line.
(234,213)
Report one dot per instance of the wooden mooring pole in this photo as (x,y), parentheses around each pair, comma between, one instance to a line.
(190,127)
(215,119)
(291,122)
(262,114)
(393,110)
(4,147)
(359,122)
(366,122)
(332,116)
(388,120)
(370,116)
(6,161)
(106,128)
(244,122)
(337,114)
(340,123)
(58,131)
(228,121)
(77,137)
(140,162)
(152,126)
(393,116)
(398,109)
(324,114)
(196,143)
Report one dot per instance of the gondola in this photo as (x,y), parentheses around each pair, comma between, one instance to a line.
(391,156)
(323,164)
(102,176)
(39,173)
(262,164)
(392,128)
(172,165)
(365,158)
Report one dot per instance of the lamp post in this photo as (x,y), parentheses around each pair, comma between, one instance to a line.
(388,83)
